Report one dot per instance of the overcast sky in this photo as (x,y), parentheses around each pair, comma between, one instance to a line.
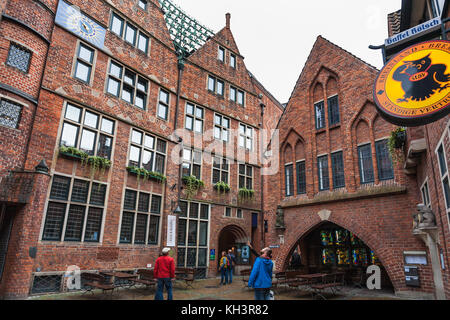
(276,36)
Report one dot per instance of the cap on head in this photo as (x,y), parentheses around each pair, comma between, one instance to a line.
(166,250)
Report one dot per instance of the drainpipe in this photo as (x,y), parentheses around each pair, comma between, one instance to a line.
(180,139)
(261,126)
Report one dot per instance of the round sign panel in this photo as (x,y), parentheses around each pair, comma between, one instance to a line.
(413,88)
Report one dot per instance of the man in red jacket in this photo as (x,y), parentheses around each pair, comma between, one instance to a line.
(164,271)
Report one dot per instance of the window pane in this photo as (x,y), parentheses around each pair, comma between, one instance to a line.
(365,164)
(86,53)
(73,113)
(144,202)
(141,229)
(141,100)
(113,87)
(126,231)
(446,191)
(107,126)
(385,168)
(115,70)
(164,96)
(129,77)
(301,178)
(82,71)
(217,133)
(181,239)
(156,204)
(184,208)
(135,156)
(130,200)
(211,83)
(233,60)
(74,226)
(199,126)
(80,190)
(190,109)
(189,123)
(18,57)
(98,193)
(232,94)
(289,180)
(130,34)
(320,115)
(149,142)
(91,119)
(221,54)
(136,137)
(127,94)
(147,160)
(333,110)
(142,85)
(203,237)
(162,111)
(159,163)
(204,212)
(220,87)
(192,235)
(442,162)
(143,42)
(117,25)
(181,257)
(240,97)
(199,113)
(161,146)
(104,146)
(93,225)
(337,163)
(202,258)
(88,141)
(143,4)
(324,183)
(54,221)
(153,230)
(193,210)
(60,188)
(69,135)
(191,258)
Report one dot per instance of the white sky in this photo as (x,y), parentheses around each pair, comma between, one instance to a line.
(276,36)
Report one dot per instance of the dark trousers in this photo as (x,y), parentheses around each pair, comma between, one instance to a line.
(262,294)
(164,282)
(223,276)
(230,274)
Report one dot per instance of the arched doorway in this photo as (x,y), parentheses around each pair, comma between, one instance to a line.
(331,248)
(234,237)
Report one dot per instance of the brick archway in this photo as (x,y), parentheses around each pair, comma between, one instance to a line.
(357,229)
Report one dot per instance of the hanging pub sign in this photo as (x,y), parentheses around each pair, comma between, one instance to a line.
(413,88)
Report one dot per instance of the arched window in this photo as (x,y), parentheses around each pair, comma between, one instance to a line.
(289,171)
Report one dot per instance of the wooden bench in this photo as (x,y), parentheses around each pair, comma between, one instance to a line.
(330,281)
(185,274)
(145,277)
(291,279)
(96,281)
(245,273)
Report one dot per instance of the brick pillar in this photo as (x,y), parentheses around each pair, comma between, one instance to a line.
(24,234)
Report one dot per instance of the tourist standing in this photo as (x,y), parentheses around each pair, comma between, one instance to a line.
(231,263)
(164,272)
(261,276)
(223,268)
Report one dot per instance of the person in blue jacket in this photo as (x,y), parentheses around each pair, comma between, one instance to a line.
(261,275)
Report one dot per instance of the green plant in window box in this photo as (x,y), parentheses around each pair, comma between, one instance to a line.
(95,163)
(222,187)
(246,194)
(192,185)
(396,142)
(147,175)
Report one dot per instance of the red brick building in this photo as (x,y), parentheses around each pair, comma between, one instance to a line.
(97,93)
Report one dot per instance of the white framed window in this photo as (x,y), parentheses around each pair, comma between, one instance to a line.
(233,94)
(216,86)
(192,163)
(239,214)
(141,217)
(425,192)
(220,170)
(246,136)
(163,104)
(147,151)
(221,54)
(128,32)
(84,63)
(233,60)
(241,98)
(127,84)
(88,131)
(221,127)
(245,176)
(228,212)
(75,210)
(193,235)
(194,118)
(143,4)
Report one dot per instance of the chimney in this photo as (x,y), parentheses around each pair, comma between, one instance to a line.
(228,18)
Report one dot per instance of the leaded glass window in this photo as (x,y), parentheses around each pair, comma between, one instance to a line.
(10,114)
(322,167)
(384,161)
(337,165)
(19,57)
(365,164)
(147,151)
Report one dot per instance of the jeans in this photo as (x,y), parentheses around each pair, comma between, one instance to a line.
(262,294)
(164,282)
(223,275)
(230,274)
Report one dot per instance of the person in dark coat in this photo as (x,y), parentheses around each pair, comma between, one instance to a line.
(296,261)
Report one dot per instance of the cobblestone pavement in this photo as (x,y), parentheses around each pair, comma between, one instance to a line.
(210,289)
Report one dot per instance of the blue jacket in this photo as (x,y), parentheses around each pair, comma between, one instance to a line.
(261,276)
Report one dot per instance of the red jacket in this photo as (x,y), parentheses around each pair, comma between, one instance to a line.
(164,268)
